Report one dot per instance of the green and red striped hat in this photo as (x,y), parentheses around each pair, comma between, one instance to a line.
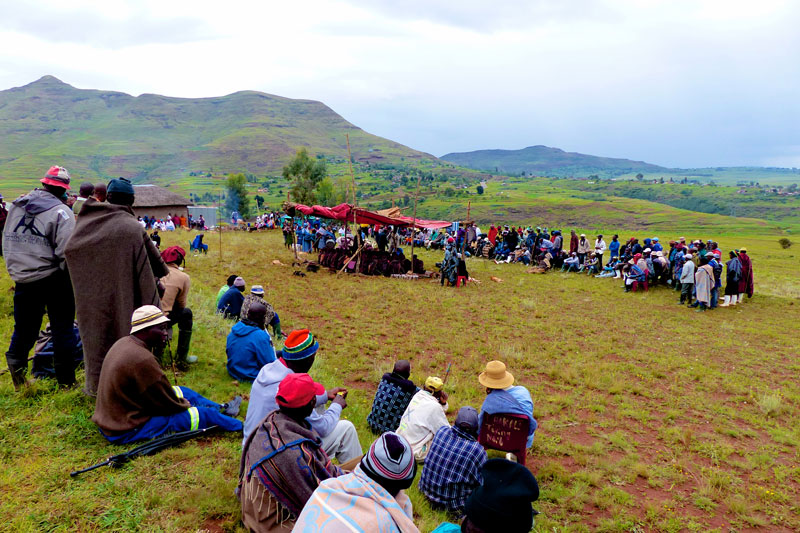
(299,344)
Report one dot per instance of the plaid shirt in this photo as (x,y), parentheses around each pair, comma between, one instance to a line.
(452,468)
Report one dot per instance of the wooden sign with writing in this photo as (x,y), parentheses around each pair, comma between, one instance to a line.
(504,431)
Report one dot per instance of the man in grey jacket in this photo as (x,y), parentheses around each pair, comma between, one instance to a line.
(37,229)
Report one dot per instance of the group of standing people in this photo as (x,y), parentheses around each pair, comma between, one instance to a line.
(70,266)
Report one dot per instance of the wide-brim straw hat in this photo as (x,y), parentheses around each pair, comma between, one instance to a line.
(147,316)
(495,376)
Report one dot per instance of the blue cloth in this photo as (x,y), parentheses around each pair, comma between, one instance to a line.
(230,305)
(447,527)
(248,348)
(452,468)
(202,414)
(197,244)
(513,400)
(613,247)
(636,273)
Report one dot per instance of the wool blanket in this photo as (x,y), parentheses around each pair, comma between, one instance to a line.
(703,283)
(355,503)
(114,266)
(746,281)
(282,463)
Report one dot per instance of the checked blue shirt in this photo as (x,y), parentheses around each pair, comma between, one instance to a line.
(452,468)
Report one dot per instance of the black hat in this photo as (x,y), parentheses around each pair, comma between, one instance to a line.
(504,497)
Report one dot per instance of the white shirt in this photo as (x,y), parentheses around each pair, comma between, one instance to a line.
(421,420)
(600,246)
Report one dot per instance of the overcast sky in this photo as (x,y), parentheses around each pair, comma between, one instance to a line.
(673,82)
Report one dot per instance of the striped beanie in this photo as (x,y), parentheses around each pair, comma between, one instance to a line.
(390,458)
(299,344)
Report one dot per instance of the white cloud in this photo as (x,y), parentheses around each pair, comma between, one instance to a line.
(676,82)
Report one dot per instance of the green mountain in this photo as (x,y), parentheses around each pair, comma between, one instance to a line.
(553,162)
(101,134)
(546,161)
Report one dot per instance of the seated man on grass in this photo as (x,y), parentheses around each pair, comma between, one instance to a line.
(224,288)
(453,465)
(339,437)
(501,503)
(257,296)
(424,416)
(369,499)
(230,305)
(283,461)
(391,399)
(503,397)
(134,399)
(249,346)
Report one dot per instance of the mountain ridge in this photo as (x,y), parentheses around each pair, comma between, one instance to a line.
(110,133)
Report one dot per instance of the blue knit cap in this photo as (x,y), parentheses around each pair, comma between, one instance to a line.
(121,185)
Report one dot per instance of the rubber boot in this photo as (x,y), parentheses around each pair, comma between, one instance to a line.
(65,373)
(726,301)
(741,297)
(182,351)
(734,299)
(18,375)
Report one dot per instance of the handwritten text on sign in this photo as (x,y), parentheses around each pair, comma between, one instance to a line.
(505,432)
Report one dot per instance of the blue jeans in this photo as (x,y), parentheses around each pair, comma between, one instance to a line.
(203,414)
(54,295)
(714,297)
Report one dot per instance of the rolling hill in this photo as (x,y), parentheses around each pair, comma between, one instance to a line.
(546,161)
(554,162)
(101,134)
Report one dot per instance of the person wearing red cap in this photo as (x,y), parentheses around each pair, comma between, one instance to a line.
(339,437)
(282,460)
(176,291)
(38,226)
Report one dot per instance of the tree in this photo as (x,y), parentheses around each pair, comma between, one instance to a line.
(305,174)
(237,199)
(639,176)
(259,200)
(480,189)
(325,193)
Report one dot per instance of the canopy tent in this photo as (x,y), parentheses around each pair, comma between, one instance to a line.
(358,215)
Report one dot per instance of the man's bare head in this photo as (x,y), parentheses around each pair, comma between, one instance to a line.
(258,314)
(100,192)
(402,368)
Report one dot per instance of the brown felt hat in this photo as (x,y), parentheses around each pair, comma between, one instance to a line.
(495,376)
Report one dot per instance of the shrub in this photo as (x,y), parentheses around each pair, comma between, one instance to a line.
(784,242)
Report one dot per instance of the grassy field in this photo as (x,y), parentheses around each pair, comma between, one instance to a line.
(652,417)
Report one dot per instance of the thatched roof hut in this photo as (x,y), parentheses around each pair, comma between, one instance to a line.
(155,201)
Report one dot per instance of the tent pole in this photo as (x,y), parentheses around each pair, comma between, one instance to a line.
(219,225)
(464,244)
(355,203)
(414,224)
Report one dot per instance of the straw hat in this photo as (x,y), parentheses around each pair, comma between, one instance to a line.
(496,376)
(147,316)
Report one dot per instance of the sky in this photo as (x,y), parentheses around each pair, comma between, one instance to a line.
(680,83)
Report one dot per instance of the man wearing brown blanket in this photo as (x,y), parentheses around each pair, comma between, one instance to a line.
(114,267)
